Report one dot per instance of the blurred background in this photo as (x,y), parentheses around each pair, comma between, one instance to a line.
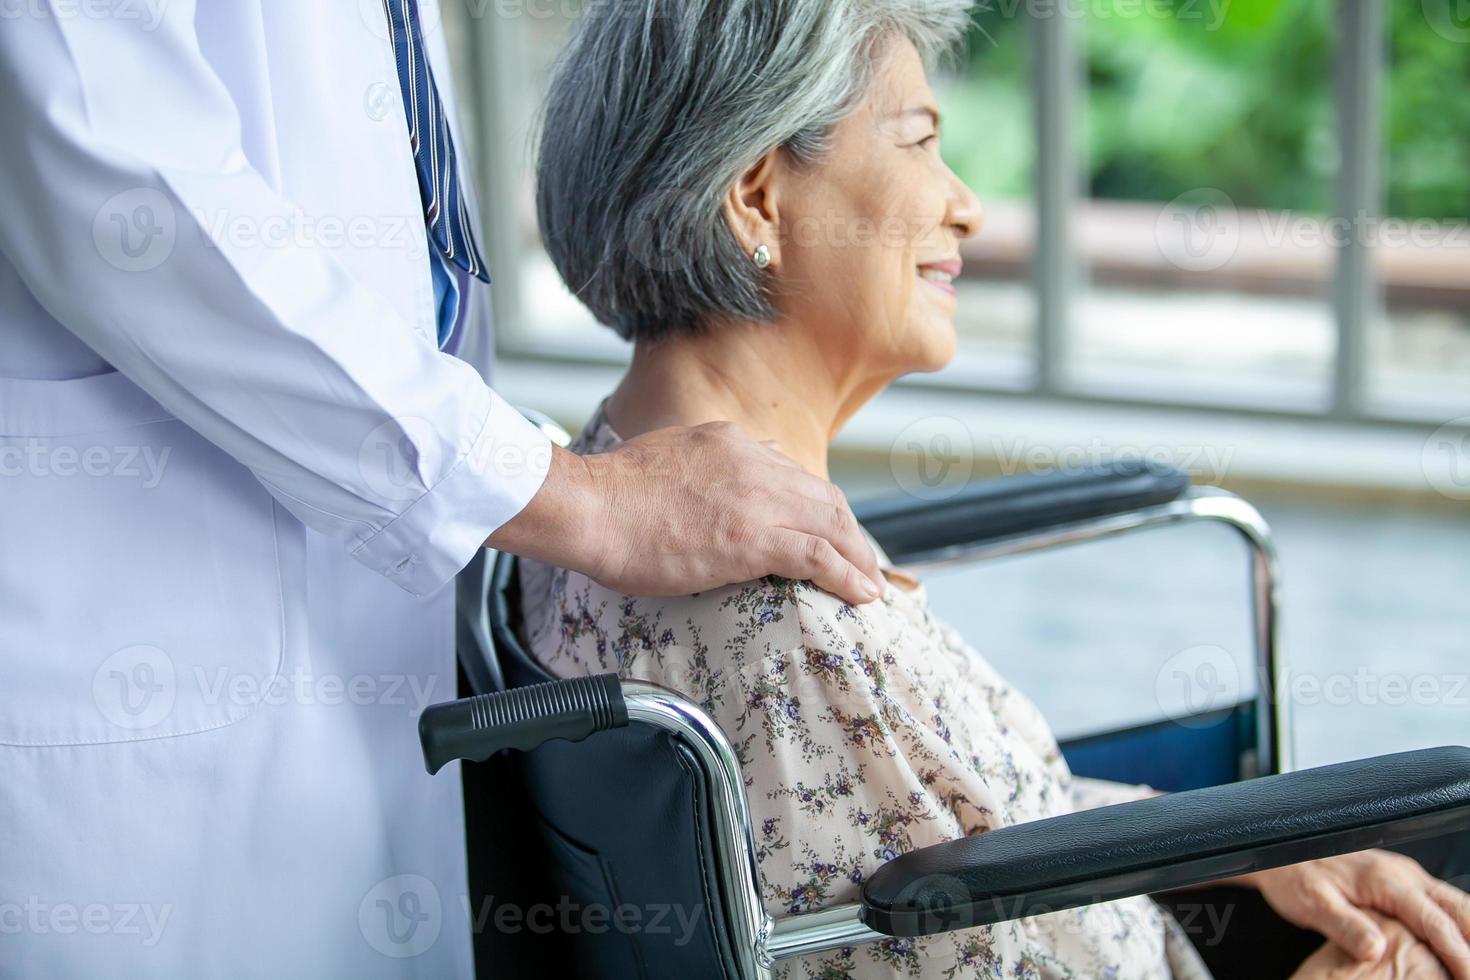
(1227,233)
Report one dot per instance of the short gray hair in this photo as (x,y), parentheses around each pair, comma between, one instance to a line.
(656,107)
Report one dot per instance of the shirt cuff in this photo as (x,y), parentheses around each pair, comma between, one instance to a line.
(426,545)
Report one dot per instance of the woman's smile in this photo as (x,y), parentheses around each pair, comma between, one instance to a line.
(941,274)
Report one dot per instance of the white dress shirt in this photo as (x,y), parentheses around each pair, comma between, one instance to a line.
(236,473)
(250,330)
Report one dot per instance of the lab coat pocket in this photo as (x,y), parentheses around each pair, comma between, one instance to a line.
(140,585)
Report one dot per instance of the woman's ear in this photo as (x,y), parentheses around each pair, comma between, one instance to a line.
(751,209)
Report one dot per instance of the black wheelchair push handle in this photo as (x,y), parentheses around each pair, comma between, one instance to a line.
(478,727)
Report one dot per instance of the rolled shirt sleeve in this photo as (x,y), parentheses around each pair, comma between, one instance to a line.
(341,407)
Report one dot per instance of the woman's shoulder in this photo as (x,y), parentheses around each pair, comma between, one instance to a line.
(768,605)
(575,622)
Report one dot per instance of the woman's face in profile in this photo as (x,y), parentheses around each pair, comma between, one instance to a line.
(870,234)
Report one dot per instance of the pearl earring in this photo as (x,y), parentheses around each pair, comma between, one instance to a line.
(762,257)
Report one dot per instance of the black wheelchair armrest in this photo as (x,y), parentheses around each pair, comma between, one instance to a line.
(1169,842)
(478,727)
(910,528)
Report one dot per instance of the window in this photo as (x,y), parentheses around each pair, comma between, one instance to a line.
(987,109)
(1420,340)
(1206,148)
(1258,206)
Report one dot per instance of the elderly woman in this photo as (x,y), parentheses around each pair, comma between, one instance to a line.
(751,191)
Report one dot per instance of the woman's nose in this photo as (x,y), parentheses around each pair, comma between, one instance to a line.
(966,213)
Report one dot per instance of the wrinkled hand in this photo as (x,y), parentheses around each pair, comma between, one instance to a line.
(1404,957)
(1348,898)
(678,511)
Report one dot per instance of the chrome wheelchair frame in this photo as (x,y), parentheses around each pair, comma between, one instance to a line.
(1267,822)
(772,939)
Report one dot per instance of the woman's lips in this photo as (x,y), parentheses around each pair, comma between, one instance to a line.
(941,275)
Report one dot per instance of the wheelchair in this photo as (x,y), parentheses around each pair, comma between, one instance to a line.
(596,793)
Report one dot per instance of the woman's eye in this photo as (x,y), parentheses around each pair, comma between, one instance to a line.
(928,142)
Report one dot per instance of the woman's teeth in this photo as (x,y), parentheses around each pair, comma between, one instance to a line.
(935,275)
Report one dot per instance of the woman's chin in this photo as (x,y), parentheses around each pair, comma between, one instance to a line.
(930,363)
(938,349)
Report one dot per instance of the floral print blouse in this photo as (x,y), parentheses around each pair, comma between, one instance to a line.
(863,732)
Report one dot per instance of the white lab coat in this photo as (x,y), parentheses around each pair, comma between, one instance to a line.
(235,475)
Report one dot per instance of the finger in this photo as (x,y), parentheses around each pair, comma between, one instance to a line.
(831,518)
(1411,904)
(778,455)
(1349,926)
(1330,960)
(1455,902)
(799,481)
(795,555)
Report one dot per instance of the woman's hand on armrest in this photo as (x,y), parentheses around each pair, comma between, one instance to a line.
(1347,899)
(1404,957)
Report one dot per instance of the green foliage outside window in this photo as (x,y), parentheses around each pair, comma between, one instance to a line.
(1230,94)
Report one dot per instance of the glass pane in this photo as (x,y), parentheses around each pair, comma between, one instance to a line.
(526,38)
(1421,345)
(1209,152)
(454,20)
(988,142)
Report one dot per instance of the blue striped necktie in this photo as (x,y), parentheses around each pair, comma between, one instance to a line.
(445,211)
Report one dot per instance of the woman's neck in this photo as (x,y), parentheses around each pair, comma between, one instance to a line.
(760,376)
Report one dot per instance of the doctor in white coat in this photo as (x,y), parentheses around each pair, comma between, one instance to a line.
(238,466)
